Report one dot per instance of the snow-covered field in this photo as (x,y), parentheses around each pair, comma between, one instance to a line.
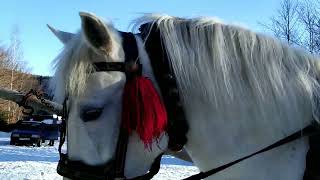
(39,163)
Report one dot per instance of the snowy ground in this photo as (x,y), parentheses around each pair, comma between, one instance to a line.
(39,163)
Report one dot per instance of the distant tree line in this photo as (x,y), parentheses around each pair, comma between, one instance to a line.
(298,23)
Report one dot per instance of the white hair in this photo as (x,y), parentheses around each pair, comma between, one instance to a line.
(214,62)
(72,68)
(225,64)
(75,63)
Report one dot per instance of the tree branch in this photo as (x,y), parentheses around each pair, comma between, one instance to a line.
(44,105)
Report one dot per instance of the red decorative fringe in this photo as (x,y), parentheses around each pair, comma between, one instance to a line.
(143,110)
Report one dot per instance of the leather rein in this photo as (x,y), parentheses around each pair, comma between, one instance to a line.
(114,169)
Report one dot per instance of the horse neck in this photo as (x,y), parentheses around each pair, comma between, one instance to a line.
(217,137)
(220,135)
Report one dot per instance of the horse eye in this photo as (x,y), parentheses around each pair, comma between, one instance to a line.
(90,114)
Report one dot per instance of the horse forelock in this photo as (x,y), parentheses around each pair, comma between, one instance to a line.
(72,66)
(75,63)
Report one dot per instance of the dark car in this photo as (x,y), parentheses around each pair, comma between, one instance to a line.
(27,132)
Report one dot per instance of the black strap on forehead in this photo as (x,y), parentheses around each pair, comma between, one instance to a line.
(129,46)
(131,65)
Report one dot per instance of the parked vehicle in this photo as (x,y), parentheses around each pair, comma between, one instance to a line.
(36,130)
(27,132)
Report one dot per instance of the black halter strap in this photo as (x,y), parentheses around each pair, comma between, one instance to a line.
(131,66)
(177,124)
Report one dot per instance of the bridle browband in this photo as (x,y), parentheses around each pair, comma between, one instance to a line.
(177,127)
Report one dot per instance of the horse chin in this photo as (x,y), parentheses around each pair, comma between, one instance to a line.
(139,158)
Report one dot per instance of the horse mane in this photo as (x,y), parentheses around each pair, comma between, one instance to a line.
(216,65)
(72,66)
(223,66)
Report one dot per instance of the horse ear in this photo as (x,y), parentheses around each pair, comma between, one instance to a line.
(96,32)
(64,37)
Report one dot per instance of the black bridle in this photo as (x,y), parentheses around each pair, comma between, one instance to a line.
(177,129)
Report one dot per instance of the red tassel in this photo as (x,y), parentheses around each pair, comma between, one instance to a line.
(143,110)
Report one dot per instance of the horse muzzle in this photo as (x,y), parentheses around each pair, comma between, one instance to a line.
(81,171)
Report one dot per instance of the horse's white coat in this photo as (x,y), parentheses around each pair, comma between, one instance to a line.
(241,92)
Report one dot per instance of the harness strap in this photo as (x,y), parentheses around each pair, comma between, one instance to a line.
(109,66)
(313,159)
(80,171)
(63,126)
(310,130)
(164,75)
(121,151)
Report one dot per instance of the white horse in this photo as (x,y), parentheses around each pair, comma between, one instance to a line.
(241,92)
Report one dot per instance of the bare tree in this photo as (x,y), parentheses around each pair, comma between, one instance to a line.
(15,55)
(309,17)
(14,74)
(12,56)
(298,23)
(285,24)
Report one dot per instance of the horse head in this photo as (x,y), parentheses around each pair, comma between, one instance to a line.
(95,98)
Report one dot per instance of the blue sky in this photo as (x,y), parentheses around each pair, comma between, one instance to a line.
(40,46)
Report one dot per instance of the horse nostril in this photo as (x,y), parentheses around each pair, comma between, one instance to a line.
(90,114)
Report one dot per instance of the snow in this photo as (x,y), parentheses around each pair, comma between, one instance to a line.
(51,121)
(39,163)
